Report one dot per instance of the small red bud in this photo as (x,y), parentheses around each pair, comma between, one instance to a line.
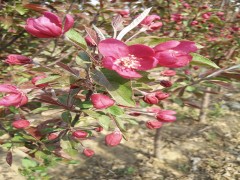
(150,98)
(88,152)
(195,67)
(113,139)
(79,134)
(98,129)
(168,73)
(161,95)
(37,78)
(21,124)
(166,83)
(153,124)
(52,136)
(187,72)
(166,116)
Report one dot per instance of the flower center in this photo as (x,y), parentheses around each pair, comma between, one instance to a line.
(130,62)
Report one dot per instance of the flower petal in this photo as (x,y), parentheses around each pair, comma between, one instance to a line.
(147,63)
(114,48)
(68,23)
(140,50)
(166,58)
(11,100)
(53,18)
(128,73)
(166,45)
(186,46)
(108,62)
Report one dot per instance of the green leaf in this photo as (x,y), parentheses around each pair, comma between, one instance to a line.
(200,60)
(150,40)
(119,88)
(28,163)
(120,124)
(104,121)
(92,114)
(115,110)
(48,79)
(66,116)
(83,60)
(76,38)
(20,9)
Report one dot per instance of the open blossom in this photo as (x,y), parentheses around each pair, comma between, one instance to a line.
(101,101)
(36,78)
(166,116)
(150,22)
(114,138)
(16,59)
(174,54)
(14,96)
(154,124)
(48,26)
(126,60)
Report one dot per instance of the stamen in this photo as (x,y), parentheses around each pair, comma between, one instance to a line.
(130,62)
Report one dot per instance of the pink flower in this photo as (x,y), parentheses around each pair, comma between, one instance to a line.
(101,101)
(151,98)
(14,96)
(149,22)
(88,152)
(48,26)
(79,134)
(126,60)
(166,116)
(113,139)
(166,83)
(161,95)
(21,124)
(168,73)
(194,23)
(15,59)
(176,17)
(206,16)
(153,124)
(174,54)
(35,79)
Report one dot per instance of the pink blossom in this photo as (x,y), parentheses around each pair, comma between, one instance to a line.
(126,60)
(37,78)
(49,25)
(21,124)
(153,124)
(206,16)
(88,152)
(101,101)
(166,116)
(14,96)
(113,139)
(176,17)
(194,23)
(166,83)
(168,73)
(149,22)
(174,54)
(16,59)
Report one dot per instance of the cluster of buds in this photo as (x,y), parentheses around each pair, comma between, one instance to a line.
(155,97)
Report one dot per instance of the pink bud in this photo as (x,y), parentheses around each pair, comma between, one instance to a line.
(186,5)
(166,83)
(15,59)
(98,129)
(90,41)
(135,114)
(150,21)
(194,23)
(153,124)
(52,136)
(220,13)
(168,73)
(101,101)
(113,139)
(161,95)
(150,98)
(49,25)
(35,79)
(88,152)
(21,124)
(79,134)
(187,72)
(166,116)
(195,67)
(205,16)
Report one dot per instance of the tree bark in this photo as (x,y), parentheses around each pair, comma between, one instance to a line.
(157,144)
(204,107)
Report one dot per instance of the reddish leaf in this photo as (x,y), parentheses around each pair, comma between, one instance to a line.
(117,23)
(188,103)
(36,7)
(34,132)
(223,84)
(231,75)
(9,158)
(92,34)
(67,68)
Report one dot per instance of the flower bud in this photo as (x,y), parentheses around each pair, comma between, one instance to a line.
(15,59)
(153,124)
(113,139)
(206,16)
(150,98)
(166,116)
(166,83)
(195,67)
(88,152)
(194,23)
(21,124)
(161,95)
(168,73)
(98,129)
(187,72)
(35,79)
(101,101)
(52,136)
(79,134)
(89,41)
